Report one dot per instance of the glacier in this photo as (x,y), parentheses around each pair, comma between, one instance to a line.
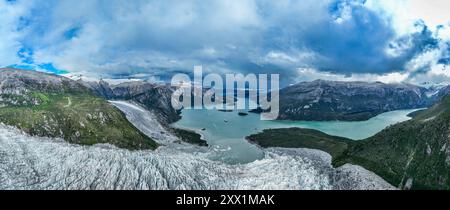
(28,162)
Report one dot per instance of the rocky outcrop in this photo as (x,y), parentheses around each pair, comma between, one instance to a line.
(53,106)
(156,98)
(414,154)
(411,155)
(348,101)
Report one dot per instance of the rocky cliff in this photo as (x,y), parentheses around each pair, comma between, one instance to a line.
(349,101)
(53,106)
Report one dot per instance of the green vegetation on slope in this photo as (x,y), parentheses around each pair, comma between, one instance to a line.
(410,155)
(413,154)
(189,137)
(77,118)
(51,106)
(300,138)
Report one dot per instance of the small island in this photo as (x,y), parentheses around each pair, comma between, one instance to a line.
(225,110)
(242,114)
(259,110)
(189,137)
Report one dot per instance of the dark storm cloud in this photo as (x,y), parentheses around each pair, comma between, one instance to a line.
(162,37)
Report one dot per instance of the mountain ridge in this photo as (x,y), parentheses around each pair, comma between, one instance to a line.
(322,100)
(153,97)
(410,155)
(49,105)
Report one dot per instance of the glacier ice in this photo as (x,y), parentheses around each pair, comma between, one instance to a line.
(28,162)
(145,121)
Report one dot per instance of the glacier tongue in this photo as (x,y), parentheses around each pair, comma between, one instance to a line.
(145,121)
(28,162)
(41,163)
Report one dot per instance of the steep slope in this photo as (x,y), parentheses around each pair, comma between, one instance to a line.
(147,122)
(414,154)
(29,162)
(349,101)
(411,155)
(154,97)
(52,106)
(440,92)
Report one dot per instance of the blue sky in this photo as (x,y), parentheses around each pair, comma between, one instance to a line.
(369,40)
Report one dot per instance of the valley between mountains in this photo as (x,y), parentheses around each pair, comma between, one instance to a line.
(57,133)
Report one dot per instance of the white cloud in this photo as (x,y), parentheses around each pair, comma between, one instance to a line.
(404,13)
(424,60)
(9,33)
(434,12)
(309,74)
(153,37)
(122,37)
(438,74)
(295,57)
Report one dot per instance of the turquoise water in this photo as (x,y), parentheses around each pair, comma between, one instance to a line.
(226,131)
